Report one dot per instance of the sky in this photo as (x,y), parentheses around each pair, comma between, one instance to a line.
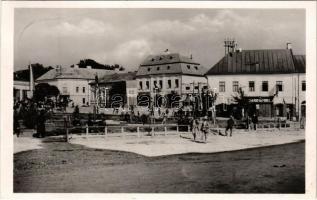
(56,36)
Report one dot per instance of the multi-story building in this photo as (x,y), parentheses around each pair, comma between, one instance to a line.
(163,78)
(73,83)
(115,90)
(21,90)
(273,80)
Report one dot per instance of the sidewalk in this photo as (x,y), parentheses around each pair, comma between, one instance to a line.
(25,143)
(168,145)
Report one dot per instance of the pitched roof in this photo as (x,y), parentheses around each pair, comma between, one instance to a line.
(166,59)
(172,63)
(268,61)
(118,77)
(73,73)
(300,63)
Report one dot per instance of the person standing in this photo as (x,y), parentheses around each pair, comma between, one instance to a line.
(41,124)
(230,124)
(205,128)
(195,128)
(255,121)
(16,125)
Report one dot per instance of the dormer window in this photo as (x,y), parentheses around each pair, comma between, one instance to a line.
(188,66)
(168,67)
(196,67)
(158,68)
(152,59)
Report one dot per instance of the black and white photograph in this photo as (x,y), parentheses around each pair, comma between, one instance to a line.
(186,100)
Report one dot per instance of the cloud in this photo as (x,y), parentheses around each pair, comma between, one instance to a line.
(85,27)
(128,39)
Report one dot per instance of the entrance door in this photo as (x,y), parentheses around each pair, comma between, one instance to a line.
(279,110)
(265,110)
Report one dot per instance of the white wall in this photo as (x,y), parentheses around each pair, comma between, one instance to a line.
(289,93)
(191,81)
(164,78)
(70,85)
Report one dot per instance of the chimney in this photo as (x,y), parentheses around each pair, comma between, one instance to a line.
(289,45)
(191,56)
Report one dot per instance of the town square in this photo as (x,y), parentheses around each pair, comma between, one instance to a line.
(156,100)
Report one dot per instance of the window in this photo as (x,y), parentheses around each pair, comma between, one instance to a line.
(77,89)
(148,69)
(140,85)
(84,89)
(303,85)
(147,83)
(84,100)
(196,67)
(168,67)
(235,86)
(169,83)
(188,66)
(161,83)
(187,88)
(251,86)
(222,86)
(152,59)
(161,58)
(196,87)
(64,90)
(265,86)
(176,83)
(279,86)
(158,68)
(155,84)
(171,57)
(24,94)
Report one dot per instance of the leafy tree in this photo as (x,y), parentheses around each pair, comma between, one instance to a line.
(43,90)
(37,68)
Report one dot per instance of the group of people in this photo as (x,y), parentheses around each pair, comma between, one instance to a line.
(200,128)
(32,114)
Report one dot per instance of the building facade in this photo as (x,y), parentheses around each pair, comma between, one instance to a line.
(167,78)
(21,90)
(273,81)
(72,83)
(115,90)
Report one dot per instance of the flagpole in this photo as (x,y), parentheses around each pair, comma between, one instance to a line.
(31,81)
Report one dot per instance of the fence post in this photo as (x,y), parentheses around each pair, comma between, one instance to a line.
(177,129)
(152,131)
(188,129)
(165,131)
(122,131)
(106,132)
(67,136)
(87,130)
(138,131)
